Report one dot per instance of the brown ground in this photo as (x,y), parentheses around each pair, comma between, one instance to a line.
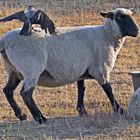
(59,104)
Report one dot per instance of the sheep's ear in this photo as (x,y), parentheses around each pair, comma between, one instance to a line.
(133,10)
(107,14)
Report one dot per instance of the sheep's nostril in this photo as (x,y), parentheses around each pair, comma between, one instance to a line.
(137,31)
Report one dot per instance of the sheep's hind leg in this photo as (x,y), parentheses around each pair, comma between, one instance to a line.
(28,100)
(13,82)
(80,101)
(108,90)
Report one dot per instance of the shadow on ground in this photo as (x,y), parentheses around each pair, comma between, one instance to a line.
(72,127)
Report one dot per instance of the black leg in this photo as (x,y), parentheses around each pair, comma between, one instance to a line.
(9,92)
(28,100)
(80,102)
(108,90)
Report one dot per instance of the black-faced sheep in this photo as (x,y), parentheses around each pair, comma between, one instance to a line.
(87,52)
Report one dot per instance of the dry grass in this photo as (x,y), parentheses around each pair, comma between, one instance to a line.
(59,103)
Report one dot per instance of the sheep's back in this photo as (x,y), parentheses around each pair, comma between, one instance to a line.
(26,53)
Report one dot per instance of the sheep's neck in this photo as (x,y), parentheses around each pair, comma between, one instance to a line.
(115,40)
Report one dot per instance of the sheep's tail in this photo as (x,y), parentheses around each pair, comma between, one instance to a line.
(2,45)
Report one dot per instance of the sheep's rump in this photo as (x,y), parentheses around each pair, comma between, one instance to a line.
(59,59)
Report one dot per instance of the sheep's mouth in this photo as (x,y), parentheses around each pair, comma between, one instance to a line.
(133,33)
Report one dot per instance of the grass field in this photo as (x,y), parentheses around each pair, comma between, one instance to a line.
(59,104)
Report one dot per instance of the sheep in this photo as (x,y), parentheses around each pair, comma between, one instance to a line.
(75,55)
(134,105)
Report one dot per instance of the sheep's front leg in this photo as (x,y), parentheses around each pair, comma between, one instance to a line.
(13,82)
(108,90)
(80,101)
(28,100)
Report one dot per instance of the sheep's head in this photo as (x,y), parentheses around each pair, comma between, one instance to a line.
(123,18)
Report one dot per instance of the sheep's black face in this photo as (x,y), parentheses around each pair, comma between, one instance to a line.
(126,24)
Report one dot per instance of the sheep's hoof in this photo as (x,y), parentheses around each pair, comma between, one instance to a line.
(23,117)
(120,111)
(81,111)
(41,119)
(116,107)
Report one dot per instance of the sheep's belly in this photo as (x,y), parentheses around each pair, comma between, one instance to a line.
(47,80)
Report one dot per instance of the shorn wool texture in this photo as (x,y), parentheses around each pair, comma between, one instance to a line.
(75,54)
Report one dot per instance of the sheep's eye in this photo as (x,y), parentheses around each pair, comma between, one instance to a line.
(122,16)
(119,17)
